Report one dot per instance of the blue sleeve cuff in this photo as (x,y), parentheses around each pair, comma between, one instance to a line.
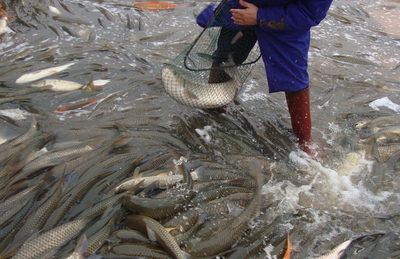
(222,19)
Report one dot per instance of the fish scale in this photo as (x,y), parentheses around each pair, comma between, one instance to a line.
(51,239)
(49,159)
(36,220)
(228,234)
(152,227)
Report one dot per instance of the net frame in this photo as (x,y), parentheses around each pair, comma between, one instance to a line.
(187,77)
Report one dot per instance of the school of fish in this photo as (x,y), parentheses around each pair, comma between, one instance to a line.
(98,161)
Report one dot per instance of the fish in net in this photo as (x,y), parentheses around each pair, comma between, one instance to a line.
(210,72)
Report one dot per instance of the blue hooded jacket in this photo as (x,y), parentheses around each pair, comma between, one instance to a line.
(283,33)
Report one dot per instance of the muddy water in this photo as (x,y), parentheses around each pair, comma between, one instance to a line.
(354,75)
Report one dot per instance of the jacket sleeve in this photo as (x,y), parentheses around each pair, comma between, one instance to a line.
(300,15)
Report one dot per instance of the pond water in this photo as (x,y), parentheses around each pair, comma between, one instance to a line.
(354,67)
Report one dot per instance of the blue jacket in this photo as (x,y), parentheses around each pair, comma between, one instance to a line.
(283,33)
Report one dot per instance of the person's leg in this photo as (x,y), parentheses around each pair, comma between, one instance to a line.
(224,47)
(299,109)
(233,47)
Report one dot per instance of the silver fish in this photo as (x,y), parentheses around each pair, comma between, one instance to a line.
(58,84)
(196,94)
(33,76)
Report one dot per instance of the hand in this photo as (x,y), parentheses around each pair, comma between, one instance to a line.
(247,16)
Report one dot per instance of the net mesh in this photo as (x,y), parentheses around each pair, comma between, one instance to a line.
(210,72)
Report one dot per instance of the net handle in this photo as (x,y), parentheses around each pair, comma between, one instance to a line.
(198,37)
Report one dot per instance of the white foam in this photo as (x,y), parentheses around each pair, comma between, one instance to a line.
(384,102)
(326,189)
(204,133)
(15,114)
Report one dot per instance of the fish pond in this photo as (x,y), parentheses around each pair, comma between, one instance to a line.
(101,150)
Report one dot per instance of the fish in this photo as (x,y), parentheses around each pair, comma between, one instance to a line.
(37,75)
(154,134)
(15,203)
(128,235)
(336,252)
(133,250)
(288,248)
(81,250)
(70,19)
(186,219)
(155,6)
(8,228)
(106,13)
(77,192)
(156,232)
(353,60)
(73,106)
(160,208)
(27,91)
(198,94)
(55,157)
(23,137)
(51,239)
(165,180)
(54,10)
(216,192)
(228,233)
(59,84)
(97,236)
(38,217)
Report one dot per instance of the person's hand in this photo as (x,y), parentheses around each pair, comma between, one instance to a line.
(247,16)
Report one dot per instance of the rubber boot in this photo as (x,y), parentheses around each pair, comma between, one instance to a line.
(217,75)
(299,109)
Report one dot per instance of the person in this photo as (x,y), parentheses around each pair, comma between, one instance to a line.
(282,28)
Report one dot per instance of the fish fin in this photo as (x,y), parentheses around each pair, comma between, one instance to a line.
(151,234)
(97,142)
(199,173)
(287,247)
(105,174)
(92,216)
(19,185)
(121,127)
(136,172)
(137,160)
(170,229)
(81,247)
(122,141)
(12,250)
(90,85)
(189,95)
(108,210)
(135,188)
(150,190)
(186,255)
(188,155)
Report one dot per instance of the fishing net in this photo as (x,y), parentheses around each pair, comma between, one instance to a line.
(210,72)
